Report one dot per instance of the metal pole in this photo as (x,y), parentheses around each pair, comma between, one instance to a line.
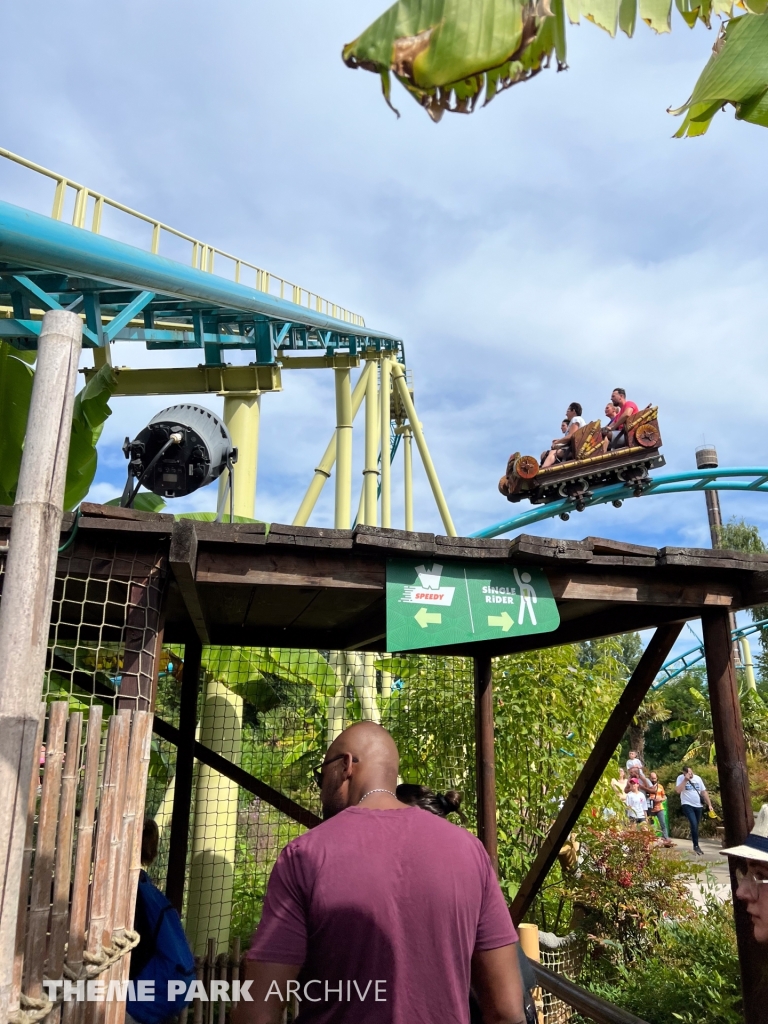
(343,450)
(323,470)
(370,472)
(398,374)
(485,758)
(242,418)
(25,610)
(408,478)
(185,763)
(734,794)
(386,467)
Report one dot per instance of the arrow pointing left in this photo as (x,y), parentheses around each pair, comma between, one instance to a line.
(423,617)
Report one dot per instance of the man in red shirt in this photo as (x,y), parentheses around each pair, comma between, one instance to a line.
(384,913)
(617,436)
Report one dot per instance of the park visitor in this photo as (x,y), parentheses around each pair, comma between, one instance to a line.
(633,761)
(636,804)
(562,447)
(382,914)
(620,785)
(656,796)
(617,437)
(752,874)
(693,797)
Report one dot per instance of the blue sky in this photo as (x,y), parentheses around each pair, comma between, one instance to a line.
(548,248)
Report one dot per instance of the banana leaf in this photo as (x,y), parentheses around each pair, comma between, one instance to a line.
(446,52)
(737,73)
(16,378)
(90,411)
(89,415)
(145,501)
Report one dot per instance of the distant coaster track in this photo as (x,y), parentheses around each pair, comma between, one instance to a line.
(732,479)
(684,662)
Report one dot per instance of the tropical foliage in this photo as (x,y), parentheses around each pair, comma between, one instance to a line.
(90,412)
(449,54)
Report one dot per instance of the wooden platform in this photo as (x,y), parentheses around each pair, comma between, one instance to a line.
(286,586)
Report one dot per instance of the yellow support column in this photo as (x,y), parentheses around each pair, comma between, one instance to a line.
(398,375)
(212,870)
(323,470)
(386,470)
(408,478)
(342,520)
(242,417)
(370,472)
(749,669)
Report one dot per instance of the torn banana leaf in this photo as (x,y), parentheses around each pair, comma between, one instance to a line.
(737,73)
(448,52)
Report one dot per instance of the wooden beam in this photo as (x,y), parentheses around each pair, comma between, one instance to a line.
(641,590)
(243,778)
(183,561)
(182,787)
(735,796)
(143,639)
(638,685)
(273,568)
(485,759)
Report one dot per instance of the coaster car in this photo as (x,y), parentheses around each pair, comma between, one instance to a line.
(632,455)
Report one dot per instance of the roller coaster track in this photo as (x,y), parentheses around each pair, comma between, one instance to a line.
(733,479)
(684,662)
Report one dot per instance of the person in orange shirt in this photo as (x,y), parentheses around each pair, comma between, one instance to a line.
(656,797)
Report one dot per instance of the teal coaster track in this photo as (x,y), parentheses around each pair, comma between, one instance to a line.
(683,662)
(734,479)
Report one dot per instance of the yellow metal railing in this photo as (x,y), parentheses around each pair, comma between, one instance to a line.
(203,255)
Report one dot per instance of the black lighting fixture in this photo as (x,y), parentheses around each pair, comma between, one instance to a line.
(180,449)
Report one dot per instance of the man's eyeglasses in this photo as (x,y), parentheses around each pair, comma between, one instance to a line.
(317,772)
(749,882)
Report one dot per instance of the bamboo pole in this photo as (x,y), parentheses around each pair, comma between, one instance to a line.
(83,854)
(62,873)
(386,468)
(370,471)
(101,886)
(324,467)
(26,605)
(343,450)
(26,868)
(398,376)
(45,850)
(125,884)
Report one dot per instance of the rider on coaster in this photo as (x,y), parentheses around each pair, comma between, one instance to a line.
(562,447)
(614,433)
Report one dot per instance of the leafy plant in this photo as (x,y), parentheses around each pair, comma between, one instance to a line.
(90,412)
(449,53)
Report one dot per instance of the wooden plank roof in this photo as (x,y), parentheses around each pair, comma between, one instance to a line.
(301,587)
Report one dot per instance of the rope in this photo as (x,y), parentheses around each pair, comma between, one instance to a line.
(33,1010)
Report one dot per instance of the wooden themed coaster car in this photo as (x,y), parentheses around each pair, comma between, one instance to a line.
(632,455)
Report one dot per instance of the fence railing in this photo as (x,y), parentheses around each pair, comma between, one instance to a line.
(89,207)
(585,1003)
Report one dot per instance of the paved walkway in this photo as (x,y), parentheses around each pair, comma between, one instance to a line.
(717,878)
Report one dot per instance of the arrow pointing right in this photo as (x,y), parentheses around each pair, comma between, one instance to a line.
(423,617)
(504,620)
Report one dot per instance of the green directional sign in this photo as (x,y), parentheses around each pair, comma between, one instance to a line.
(435,603)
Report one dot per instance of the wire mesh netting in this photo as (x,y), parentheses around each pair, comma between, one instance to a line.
(274,712)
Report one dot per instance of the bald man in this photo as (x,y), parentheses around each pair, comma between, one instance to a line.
(384,913)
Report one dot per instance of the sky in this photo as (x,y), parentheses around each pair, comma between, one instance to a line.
(545,249)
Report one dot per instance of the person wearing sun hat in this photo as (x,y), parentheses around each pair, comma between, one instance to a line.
(753,878)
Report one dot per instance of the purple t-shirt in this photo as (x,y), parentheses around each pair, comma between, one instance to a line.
(398,897)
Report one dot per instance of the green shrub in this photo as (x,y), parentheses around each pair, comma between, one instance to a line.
(690,975)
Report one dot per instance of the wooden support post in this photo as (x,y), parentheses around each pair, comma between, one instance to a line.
(185,763)
(734,794)
(485,760)
(620,718)
(26,607)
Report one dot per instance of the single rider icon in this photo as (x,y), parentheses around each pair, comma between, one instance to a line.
(527,596)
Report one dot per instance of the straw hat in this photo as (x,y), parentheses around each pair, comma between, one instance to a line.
(755,846)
